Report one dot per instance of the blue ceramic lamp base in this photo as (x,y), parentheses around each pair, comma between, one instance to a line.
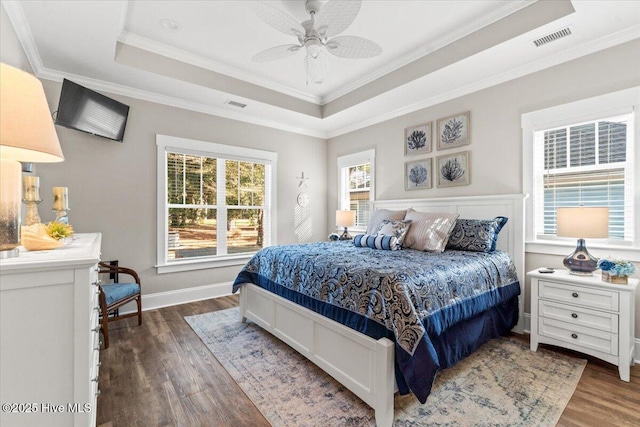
(581,262)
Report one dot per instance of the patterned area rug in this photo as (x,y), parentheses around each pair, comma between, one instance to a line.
(501,384)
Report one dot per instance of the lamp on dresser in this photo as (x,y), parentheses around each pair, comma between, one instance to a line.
(27,134)
(582,222)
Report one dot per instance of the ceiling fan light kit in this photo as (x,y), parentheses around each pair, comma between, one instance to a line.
(316,35)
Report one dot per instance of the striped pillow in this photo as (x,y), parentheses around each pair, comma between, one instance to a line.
(429,230)
(389,243)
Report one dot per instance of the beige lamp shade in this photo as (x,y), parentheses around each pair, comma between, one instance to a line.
(583,222)
(27,133)
(345,218)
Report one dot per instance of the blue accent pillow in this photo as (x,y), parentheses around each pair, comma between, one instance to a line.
(477,235)
(376,241)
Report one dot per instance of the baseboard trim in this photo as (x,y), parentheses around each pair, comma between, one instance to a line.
(636,352)
(180,296)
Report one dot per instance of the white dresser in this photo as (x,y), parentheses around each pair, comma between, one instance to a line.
(584,314)
(49,336)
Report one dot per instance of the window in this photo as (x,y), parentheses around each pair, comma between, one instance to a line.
(356,177)
(585,164)
(583,153)
(214,203)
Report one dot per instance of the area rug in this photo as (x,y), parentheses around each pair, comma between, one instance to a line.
(501,384)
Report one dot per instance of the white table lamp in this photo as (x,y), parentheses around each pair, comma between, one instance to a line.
(345,219)
(27,134)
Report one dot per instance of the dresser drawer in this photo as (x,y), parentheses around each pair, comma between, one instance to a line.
(579,336)
(579,295)
(576,315)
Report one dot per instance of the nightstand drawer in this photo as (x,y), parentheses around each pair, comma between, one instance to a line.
(577,315)
(584,296)
(579,336)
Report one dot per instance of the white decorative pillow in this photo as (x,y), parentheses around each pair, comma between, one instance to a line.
(397,228)
(429,231)
(380,215)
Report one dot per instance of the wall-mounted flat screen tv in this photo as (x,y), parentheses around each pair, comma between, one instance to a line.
(82,109)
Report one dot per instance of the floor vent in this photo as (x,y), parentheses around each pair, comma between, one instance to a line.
(235,103)
(552,37)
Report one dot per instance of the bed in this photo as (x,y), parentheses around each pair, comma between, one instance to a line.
(374,320)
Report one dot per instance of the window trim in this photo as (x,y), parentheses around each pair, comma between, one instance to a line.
(608,105)
(166,143)
(354,159)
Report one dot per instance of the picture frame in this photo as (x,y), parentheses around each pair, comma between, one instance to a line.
(418,174)
(454,131)
(453,169)
(418,139)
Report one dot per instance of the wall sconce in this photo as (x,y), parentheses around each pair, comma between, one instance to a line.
(27,134)
(582,222)
(345,219)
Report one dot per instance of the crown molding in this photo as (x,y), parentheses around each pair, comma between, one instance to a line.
(23,31)
(103,86)
(505,10)
(212,65)
(611,40)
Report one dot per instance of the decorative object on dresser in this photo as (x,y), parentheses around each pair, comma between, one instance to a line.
(61,204)
(584,314)
(115,295)
(582,222)
(616,271)
(49,334)
(27,134)
(31,198)
(345,219)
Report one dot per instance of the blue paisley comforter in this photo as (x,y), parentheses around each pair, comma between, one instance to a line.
(408,296)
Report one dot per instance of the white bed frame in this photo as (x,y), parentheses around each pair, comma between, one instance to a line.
(364,365)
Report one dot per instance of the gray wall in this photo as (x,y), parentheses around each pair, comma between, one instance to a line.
(496,134)
(112,186)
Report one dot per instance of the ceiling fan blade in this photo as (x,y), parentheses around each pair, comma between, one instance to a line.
(278,52)
(353,47)
(335,16)
(316,66)
(277,18)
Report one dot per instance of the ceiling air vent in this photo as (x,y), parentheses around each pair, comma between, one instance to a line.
(552,37)
(235,103)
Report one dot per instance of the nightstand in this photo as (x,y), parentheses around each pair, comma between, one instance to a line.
(584,314)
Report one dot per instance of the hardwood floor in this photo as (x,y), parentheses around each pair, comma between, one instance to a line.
(161,374)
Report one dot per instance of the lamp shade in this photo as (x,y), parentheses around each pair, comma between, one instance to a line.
(27,133)
(583,222)
(345,218)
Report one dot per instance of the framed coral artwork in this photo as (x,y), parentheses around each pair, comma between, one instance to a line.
(454,131)
(453,169)
(417,174)
(417,139)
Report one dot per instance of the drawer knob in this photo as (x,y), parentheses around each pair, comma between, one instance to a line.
(575,295)
(574,315)
(574,336)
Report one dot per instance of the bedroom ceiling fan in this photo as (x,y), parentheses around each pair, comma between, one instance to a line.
(317,35)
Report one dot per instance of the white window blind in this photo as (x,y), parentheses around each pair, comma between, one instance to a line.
(588,164)
(356,178)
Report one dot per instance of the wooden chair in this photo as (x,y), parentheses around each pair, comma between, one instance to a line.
(115,295)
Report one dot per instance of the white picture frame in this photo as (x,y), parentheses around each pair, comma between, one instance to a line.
(453,170)
(454,131)
(418,174)
(418,139)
